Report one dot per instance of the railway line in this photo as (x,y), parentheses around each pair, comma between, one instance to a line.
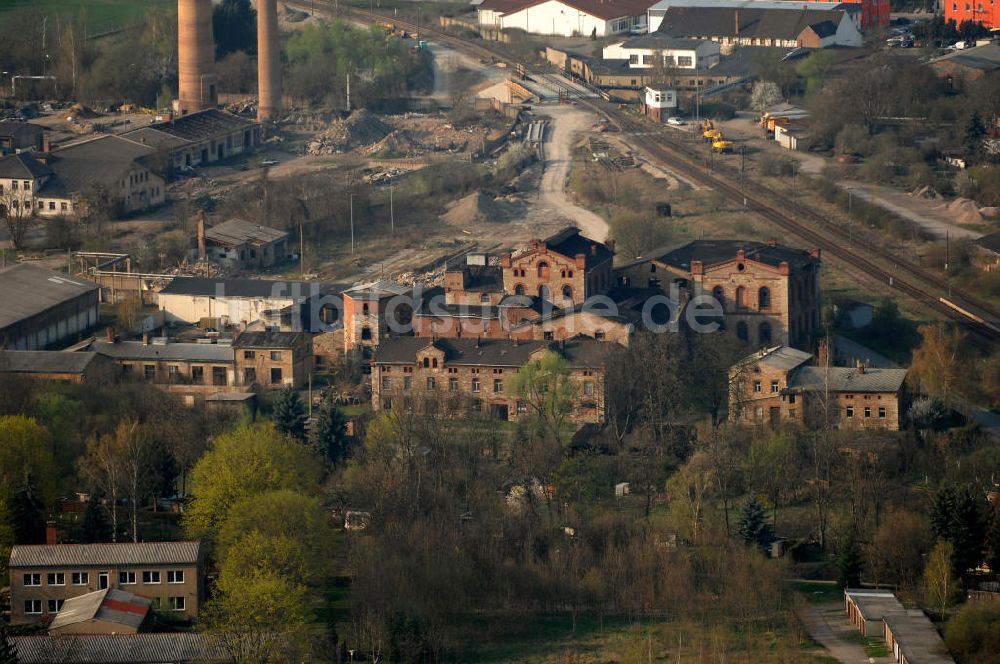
(904,278)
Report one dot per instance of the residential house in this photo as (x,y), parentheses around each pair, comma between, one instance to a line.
(107,611)
(676,53)
(44,576)
(241,244)
(564,17)
(64,367)
(58,184)
(273,359)
(200,138)
(310,306)
(768,293)
(40,308)
(471,377)
(752,26)
(17,136)
(777,385)
(910,636)
(143,648)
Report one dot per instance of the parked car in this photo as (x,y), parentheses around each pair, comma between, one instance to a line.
(269,162)
(676,121)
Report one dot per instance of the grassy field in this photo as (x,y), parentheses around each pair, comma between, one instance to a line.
(101,14)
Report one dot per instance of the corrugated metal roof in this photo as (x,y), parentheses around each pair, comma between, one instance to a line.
(108,605)
(848,379)
(118,649)
(112,555)
(181,352)
(27,290)
(238,231)
(269,339)
(779,357)
(45,361)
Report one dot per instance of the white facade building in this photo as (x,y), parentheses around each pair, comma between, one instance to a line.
(677,53)
(654,15)
(566,18)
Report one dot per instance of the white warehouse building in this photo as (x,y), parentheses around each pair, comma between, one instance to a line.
(567,18)
(677,52)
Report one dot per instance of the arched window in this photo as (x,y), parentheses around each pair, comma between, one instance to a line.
(434,363)
(741,331)
(741,297)
(543,292)
(719,293)
(543,270)
(427,362)
(484,297)
(764,298)
(567,293)
(519,289)
(765,333)
(562,273)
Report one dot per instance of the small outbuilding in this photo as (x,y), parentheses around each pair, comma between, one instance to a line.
(107,611)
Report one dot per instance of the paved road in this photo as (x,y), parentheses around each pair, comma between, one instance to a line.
(827,625)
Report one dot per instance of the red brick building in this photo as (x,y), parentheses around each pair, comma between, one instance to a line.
(565,268)
(986,12)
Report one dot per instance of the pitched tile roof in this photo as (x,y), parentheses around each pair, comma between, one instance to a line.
(105,160)
(570,243)
(181,647)
(779,357)
(108,605)
(45,361)
(847,379)
(269,339)
(579,351)
(713,252)
(113,555)
(22,166)
(754,23)
(179,351)
(27,290)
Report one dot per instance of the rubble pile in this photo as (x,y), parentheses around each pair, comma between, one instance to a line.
(476,208)
(361,129)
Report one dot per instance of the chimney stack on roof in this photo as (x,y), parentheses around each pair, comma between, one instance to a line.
(109,334)
(51,535)
(737,15)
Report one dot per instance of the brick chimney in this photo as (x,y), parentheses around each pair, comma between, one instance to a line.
(696,268)
(581,261)
(51,536)
(505,261)
(145,338)
(737,17)
(109,334)
(815,252)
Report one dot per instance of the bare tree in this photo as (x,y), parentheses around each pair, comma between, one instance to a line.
(18,214)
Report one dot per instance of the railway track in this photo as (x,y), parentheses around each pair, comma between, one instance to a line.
(975,316)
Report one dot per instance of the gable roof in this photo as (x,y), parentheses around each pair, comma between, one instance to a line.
(45,361)
(581,352)
(180,352)
(269,339)
(990,242)
(104,160)
(715,252)
(203,124)
(27,290)
(847,379)
(22,166)
(985,57)
(783,358)
(657,40)
(119,554)
(20,130)
(604,9)
(754,23)
(570,243)
(238,231)
(118,648)
(108,605)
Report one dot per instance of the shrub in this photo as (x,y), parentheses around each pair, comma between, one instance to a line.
(973,635)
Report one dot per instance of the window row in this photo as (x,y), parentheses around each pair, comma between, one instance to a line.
(149,577)
(742,302)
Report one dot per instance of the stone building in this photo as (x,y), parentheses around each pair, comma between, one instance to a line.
(61,366)
(769,293)
(17,136)
(273,359)
(239,243)
(565,268)
(370,310)
(43,576)
(470,377)
(40,308)
(199,139)
(777,385)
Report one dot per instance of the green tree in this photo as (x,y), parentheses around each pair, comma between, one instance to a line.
(6,538)
(752,526)
(234,26)
(941,588)
(546,386)
(290,413)
(246,462)
(25,453)
(942,362)
(975,132)
(27,515)
(973,634)
(815,68)
(849,564)
(328,433)
(95,526)
(957,517)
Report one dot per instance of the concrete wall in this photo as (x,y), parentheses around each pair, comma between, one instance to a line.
(61,324)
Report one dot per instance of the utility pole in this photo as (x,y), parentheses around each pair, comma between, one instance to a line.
(348,92)
(392,216)
(352,224)
(743,164)
(302,252)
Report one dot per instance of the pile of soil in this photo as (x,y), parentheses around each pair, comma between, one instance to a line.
(360,129)
(924,192)
(80,111)
(476,208)
(963,211)
(399,142)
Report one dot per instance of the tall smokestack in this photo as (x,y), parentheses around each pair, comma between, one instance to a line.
(195,57)
(268,60)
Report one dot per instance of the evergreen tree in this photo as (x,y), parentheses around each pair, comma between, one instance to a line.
(957,517)
(328,434)
(849,564)
(8,651)
(290,413)
(234,26)
(27,515)
(975,132)
(95,527)
(752,526)
(993,541)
